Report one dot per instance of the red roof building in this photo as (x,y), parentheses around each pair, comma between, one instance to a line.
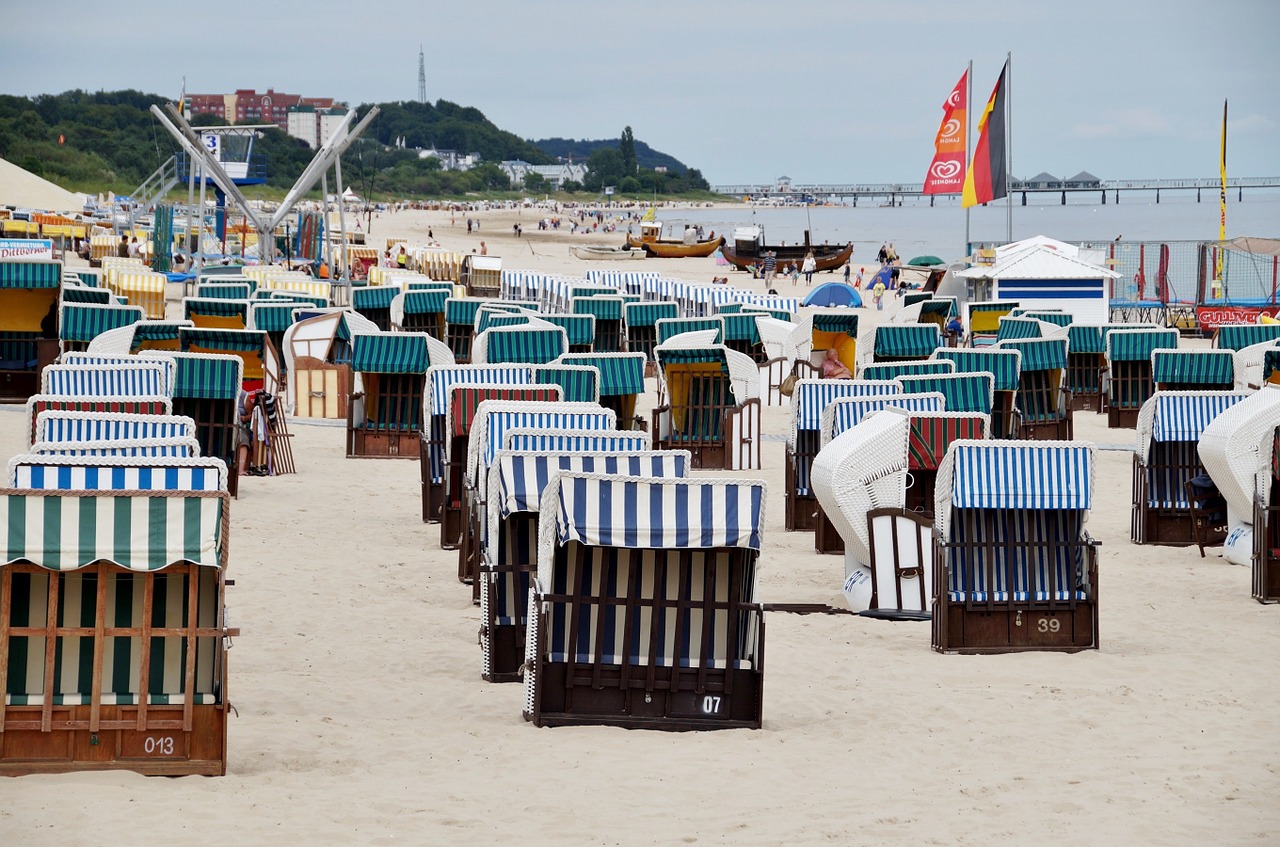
(247,106)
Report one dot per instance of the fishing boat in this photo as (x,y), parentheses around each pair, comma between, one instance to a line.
(591,252)
(651,241)
(748,247)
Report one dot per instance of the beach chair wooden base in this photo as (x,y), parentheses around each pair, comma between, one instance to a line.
(18,385)
(432,492)
(372,444)
(825,537)
(161,747)
(800,510)
(393,404)
(1122,418)
(217,430)
(1266,550)
(1059,430)
(1173,528)
(1082,401)
(970,631)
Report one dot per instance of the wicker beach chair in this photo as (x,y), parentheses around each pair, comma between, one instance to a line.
(580,329)
(509,544)
(1043,400)
(1127,383)
(206,388)
(373,302)
(982,321)
(81,323)
(1193,370)
(459,325)
(607,309)
(1015,569)
(710,405)
(578,383)
(1236,337)
(900,343)
(1086,363)
(30,291)
(384,415)
(621,381)
(646,619)
(1005,366)
(640,323)
(536,343)
(1169,427)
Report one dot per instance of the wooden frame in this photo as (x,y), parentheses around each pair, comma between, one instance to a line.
(1084,380)
(1169,467)
(394,402)
(1265,583)
(217,431)
(1130,386)
(908,582)
(1038,393)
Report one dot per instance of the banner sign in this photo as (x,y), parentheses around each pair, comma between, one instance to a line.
(1211,317)
(19,249)
(946,171)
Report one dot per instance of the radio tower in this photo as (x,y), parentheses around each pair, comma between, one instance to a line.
(422,76)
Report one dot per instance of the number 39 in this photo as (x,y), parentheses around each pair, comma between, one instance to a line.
(1049,625)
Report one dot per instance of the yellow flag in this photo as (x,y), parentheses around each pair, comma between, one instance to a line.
(649,215)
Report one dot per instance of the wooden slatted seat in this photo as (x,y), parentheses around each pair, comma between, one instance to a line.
(1043,401)
(712,405)
(1128,382)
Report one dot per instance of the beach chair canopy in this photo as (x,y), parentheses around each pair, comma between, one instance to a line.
(740,369)
(580,328)
(271,316)
(392,353)
(1003,364)
(517,479)
(494,417)
(621,374)
(1228,336)
(812,396)
(580,383)
(1180,415)
(892,370)
(61,426)
(138,378)
(532,344)
(1193,367)
(1038,354)
(1137,345)
(847,412)
(972,392)
(46,472)
(156,447)
(442,378)
(83,322)
(603,307)
(84,294)
(670,327)
(906,341)
(639,315)
(205,376)
(534,440)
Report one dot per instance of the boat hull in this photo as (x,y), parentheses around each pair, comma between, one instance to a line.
(827,258)
(606,254)
(675,249)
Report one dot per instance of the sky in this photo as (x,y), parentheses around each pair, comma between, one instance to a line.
(748,91)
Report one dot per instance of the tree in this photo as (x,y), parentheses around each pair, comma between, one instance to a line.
(629,185)
(535,183)
(604,167)
(627,149)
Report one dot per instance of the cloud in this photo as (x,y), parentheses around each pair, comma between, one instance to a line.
(1250,124)
(1124,123)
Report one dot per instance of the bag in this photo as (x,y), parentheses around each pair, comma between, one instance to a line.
(269,408)
(788,386)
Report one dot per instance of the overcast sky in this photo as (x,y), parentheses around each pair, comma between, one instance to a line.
(746,91)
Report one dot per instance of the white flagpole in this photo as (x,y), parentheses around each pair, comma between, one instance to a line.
(1008,147)
(968,152)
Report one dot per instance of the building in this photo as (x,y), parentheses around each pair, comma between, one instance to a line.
(555,175)
(312,124)
(247,106)
(451,160)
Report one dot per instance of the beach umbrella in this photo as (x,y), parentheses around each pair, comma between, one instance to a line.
(833,294)
(925,261)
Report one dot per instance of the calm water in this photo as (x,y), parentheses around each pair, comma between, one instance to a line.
(916,229)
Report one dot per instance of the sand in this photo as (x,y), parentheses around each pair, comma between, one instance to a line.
(362,718)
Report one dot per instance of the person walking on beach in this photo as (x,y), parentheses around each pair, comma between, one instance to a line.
(847,268)
(122,249)
(883,256)
(857,280)
(877,294)
(810,265)
(770,265)
(484,251)
(794,273)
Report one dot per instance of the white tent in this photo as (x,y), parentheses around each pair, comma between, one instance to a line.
(21,188)
(1042,276)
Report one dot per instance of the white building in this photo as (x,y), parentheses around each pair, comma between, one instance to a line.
(451,160)
(555,175)
(313,125)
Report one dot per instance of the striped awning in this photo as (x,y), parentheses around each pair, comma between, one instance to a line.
(692,356)
(1240,336)
(910,298)
(812,396)
(580,383)
(272,317)
(845,322)
(300,297)
(487,318)
(201,339)
(390,353)
(30,274)
(1039,354)
(79,294)
(846,413)
(893,370)
(442,378)
(741,327)
(580,291)
(215,308)
(142,378)
(918,340)
(621,374)
(66,531)
(1004,365)
(932,433)
(1013,328)
(648,314)
(83,322)
(1055,318)
(208,376)
(1009,476)
(45,472)
(373,297)
(1193,367)
(581,329)
(675,326)
(729,309)
(58,427)
(430,302)
(604,308)
(945,306)
(522,477)
(224,290)
(661,514)
(528,346)
(1183,416)
(464,400)
(971,392)
(1085,339)
(498,422)
(155,331)
(574,441)
(1136,345)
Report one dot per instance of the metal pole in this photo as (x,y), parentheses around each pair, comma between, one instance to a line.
(200,211)
(968,152)
(342,220)
(1008,147)
(191,199)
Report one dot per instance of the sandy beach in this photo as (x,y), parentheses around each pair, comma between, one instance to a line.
(362,718)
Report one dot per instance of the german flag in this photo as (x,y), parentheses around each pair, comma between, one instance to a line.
(987,179)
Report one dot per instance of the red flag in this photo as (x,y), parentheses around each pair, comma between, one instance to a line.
(946,171)
(987,177)
(61,138)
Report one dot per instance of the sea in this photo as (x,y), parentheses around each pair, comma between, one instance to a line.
(917,229)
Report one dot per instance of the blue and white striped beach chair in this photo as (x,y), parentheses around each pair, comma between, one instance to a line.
(60,426)
(510,537)
(181,447)
(137,378)
(52,472)
(643,613)
(1015,569)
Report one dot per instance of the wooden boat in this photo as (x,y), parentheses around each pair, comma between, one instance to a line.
(653,244)
(595,253)
(748,247)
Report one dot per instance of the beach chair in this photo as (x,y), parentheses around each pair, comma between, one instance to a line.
(459,325)
(982,321)
(30,292)
(1169,427)
(138,378)
(621,382)
(533,344)
(84,294)
(902,343)
(435,408)
(212,313)
(1015,569)
(464,400)
(816,333)
(646,619)
(1086,363)
(81,323)
(317,352)
(1005,366)
(69,427)
(668,328)
(54,472)
(158,404)
(420,310)
(964,392)
(509,550)
(1127,382)
(384,414)
(180,447)
(115,639)
(1257,365)
(610,337)
(640,323)
(140,287)
(374,303)
(578,383)
(929,436)
(1193,370)
(493,418)
(809,399)
(1236,337)
(711,406)
(206,388)
(1043,401)
(889,371)
(1026,328)
(580,329)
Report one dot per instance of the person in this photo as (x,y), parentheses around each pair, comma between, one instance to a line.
(402,258)
(484,251)
(857,280)
(809,266)
(244,429)
(833,368)
(883,255)
(322,272)
(877,293)
(84,251)
(135,249)
(847,269)
(179,263)
(770,265)
(793,272)
(955,329)
(891,255)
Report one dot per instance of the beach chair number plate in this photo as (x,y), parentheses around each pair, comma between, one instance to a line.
(1048,625)
(700,705)
(138,745)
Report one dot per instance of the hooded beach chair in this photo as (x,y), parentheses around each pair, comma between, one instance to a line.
(579,383)
(509,550)
(621,381)
(1043,401)
(1169,427)
(30,303)
(640,322)
(374,303)
(580,329)
(809,399)
(816,333)
(1193,370)
(206,388)
(1015,569)
(1239,451)
(384,416)
(420,310)
(888,371)
(643,612)
(711,408)
(1086,363)
(158,404)
(114,633)
(901,343)
(1236,337)
(54,472)
(138,378)
(1127,382)
(1005,366)
(533,344)
(982,321)
(241,289)
(610,337)
(964,392)
(435,409)
(317,355)
(81,323)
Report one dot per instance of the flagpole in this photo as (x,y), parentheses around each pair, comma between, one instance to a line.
(1222,193)
(968,150)
(1008,132)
